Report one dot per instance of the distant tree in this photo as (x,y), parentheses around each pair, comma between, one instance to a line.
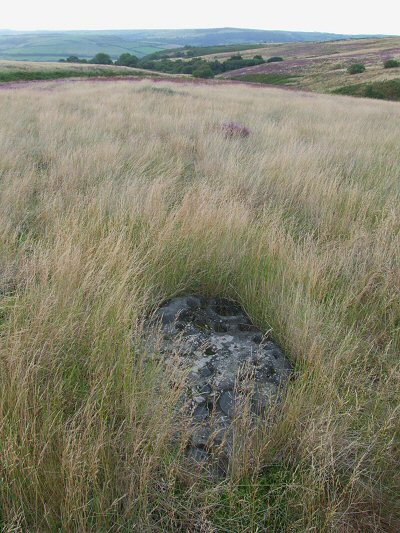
(203,71)
(101,59)
(73,59)
(258,57)
(356,68)
(127,60)
(274,59)
(147,64)
(391,63)
(216,66)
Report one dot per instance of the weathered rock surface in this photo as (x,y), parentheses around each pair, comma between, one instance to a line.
(228,360)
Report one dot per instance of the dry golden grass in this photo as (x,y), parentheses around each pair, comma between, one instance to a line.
(114,197)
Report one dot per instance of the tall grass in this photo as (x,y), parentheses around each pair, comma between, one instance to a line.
(116,197)
(11,71)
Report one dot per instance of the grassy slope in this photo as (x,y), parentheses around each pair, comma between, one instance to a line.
(322,66)
(298,49)
(197,51)
(32,70)
(382,90)
(270,78)
(113,198)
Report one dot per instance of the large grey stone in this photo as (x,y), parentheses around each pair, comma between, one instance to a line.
(227,358)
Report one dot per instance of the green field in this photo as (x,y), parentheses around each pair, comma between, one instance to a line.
(196,51)
(53,46)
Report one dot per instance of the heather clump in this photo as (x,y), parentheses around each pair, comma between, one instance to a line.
(235,129)
(356,68)
(391,63)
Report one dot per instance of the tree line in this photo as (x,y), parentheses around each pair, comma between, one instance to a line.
(197,67)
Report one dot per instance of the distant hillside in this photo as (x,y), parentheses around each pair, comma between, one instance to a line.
(50,46)
(322,66)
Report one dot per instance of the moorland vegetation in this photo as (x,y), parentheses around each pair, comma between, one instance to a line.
(197,66)
(115,198)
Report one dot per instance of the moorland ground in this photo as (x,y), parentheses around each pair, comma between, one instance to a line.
(115,197)
(322,66)
(312,66)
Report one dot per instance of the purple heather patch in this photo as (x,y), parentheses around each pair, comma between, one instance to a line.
(307,65)
(234,129)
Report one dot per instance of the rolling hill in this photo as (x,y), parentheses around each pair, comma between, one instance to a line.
(51,46)
(321,66)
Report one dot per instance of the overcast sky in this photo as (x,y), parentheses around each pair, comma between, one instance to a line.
(337,16)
